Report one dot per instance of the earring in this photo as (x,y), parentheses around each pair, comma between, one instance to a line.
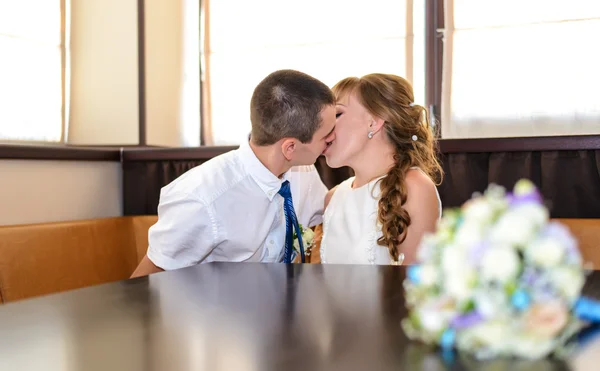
(370,135)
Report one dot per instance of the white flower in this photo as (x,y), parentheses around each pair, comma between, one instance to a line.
(428,275)
(568,280)
(478,210)
(443,236)
(524,187)
(495,192)
(459,286)
(545,252)
(499,263)
(308,236)
(452,258)
(534,212)
(431,320)
(513,229)
(469,233)
(490,303)
(435,316)
(459,276)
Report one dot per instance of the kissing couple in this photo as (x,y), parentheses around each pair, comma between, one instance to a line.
(249,204)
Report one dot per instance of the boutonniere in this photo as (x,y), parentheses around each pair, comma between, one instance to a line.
(308,237)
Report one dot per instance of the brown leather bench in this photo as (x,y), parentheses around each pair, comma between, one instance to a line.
(41,259)
(587,232)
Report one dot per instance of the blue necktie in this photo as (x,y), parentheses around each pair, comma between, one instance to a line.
(291,221)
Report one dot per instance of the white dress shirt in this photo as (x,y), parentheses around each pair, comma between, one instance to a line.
(228,209)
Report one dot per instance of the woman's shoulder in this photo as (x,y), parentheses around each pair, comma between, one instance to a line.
(419,186)
(417,179)
(343,185)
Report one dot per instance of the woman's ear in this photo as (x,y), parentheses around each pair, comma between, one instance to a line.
(376,124)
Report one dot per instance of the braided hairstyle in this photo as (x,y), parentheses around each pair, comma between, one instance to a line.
(406,127)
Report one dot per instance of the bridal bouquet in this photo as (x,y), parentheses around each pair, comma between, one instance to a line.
(498,279)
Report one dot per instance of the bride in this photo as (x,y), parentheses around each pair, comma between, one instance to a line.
(379,215)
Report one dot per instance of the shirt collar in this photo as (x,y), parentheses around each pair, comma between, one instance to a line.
(266,180)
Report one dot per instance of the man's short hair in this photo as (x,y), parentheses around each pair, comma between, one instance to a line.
(288,104)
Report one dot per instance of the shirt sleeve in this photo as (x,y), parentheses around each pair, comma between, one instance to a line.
(316,196)
(185,233)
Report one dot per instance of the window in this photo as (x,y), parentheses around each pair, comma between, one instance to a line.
(328,39)
(31,70)
(521,68)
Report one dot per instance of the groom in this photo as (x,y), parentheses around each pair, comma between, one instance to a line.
(233,207)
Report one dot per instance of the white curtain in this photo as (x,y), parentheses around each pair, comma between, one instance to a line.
(521,68)
(31,95)
(328,39)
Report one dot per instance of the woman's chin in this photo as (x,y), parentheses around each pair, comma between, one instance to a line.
(331,161)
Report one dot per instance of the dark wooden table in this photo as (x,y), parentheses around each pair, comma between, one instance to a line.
(238,317)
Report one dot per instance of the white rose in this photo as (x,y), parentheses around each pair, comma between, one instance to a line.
(434,317)
(534,212)
(458,275)
(431,320)
(491,303)
(453,259)
(469,233)
(499,264)
(428,275)
(569,281)
(513,229)
(460,285)
(443,236)
(478,210)
(308,236)
(545,252)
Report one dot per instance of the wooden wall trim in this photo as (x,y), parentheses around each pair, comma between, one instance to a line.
(140,153)
(528,144)
(58,152)
(166,154)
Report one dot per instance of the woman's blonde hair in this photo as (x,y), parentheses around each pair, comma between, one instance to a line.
(407,127)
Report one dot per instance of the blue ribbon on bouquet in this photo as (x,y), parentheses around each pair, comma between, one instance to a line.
(587,309)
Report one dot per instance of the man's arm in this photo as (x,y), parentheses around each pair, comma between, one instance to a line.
(182,236)
(145,268)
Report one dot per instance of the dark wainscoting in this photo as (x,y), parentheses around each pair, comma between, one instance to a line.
(567,170)
(568,180)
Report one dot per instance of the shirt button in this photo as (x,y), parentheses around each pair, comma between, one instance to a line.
(271,242)
(270,193)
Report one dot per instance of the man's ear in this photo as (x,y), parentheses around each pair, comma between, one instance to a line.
(288,146)
(376,124)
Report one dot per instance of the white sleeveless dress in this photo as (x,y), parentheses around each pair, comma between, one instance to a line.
(350,227)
